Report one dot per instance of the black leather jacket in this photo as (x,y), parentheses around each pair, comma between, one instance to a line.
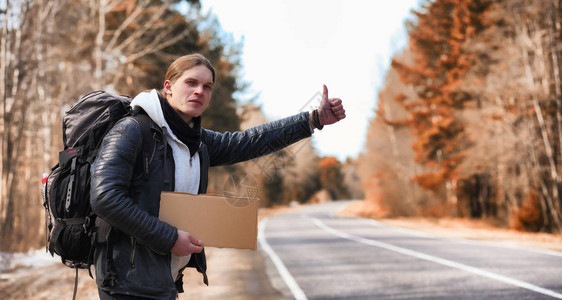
(137,260)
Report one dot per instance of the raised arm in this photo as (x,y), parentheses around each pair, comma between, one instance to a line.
(230,148)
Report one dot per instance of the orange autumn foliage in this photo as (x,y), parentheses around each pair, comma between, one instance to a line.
(439,66)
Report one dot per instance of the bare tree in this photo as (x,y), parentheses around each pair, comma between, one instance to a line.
(12,112)
(531,39)
(26,102)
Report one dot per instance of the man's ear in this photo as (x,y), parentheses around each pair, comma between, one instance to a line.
(168,87)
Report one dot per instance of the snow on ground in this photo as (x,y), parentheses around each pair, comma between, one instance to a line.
(15,262)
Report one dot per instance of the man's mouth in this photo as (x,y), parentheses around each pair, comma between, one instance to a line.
(195,101)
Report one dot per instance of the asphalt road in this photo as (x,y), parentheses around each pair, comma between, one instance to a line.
(312,254)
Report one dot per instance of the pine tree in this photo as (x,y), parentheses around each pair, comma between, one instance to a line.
(436,41)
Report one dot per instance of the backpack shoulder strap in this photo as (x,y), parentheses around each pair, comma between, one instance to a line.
(148,141)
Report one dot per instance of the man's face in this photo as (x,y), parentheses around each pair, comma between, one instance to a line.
(190,94)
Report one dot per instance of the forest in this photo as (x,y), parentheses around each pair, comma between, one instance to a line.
(470,113)
(468,123)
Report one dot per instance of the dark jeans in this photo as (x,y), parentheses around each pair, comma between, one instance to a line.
(107,296)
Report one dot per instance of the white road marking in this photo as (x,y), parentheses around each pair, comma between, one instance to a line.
(464,241)
(438,260)
(289,280)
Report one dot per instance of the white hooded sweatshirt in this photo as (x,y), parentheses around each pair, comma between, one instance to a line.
(187,169)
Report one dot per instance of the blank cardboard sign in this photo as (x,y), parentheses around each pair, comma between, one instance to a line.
(218,221)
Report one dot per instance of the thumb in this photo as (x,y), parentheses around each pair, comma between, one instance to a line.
(195,241)
(325,93)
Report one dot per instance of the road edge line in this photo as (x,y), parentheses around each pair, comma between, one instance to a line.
(285,275)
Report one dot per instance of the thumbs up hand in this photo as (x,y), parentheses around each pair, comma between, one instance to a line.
(331,109)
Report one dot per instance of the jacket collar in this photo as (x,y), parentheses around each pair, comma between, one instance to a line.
(151,104)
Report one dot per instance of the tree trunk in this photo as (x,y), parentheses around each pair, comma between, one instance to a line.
(98,50)
(553,173)
(535,42)
(555,27)
(4,53)
(12,118)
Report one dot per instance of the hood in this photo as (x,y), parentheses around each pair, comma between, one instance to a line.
(151,104)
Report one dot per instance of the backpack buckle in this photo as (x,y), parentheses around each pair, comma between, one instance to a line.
(86,225)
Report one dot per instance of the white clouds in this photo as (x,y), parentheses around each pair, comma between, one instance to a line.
(293,47)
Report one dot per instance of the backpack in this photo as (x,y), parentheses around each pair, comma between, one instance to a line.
(70,222)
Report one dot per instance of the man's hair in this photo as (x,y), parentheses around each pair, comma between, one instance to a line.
(184,63)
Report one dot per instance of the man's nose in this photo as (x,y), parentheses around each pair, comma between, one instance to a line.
(199,89)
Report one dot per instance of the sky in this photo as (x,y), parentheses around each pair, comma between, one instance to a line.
(292,47)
